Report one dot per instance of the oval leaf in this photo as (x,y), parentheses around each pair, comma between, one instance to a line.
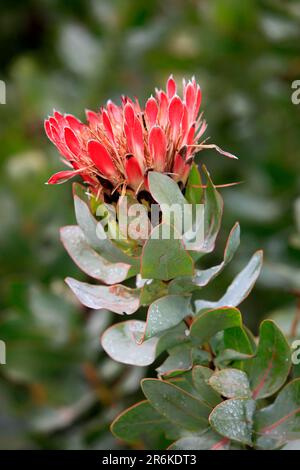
(117,298)
(207,394)
(234,419)
(138,422)
(166,192)
(165,313)
(188,284)
(270,367)
(193,191)
(231,383)
(211,322)
(120,343)
(177,405)
(213,210)
(164,256)
(237,339)
(88,260)
(280,422)
(239,288)
(179,360)
(203,277)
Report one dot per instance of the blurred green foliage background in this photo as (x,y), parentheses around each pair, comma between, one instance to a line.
(58,390)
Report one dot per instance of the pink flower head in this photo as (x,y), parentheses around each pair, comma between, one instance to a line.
(119,145)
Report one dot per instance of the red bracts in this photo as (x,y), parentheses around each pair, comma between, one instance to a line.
(121,144)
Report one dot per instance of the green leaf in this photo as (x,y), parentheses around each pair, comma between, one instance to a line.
(181,285)
(213,209)
(188,284)
(230,356)
(165,313)
(193,191)
(234,419)
(120,342)
(165,257)
(138,422)
(152,289)
(200,357)
(203,277)
(88,260)
(206,393)
(232,243)
(280,422)
(166,193)
(184,382)
(238,340)
(176,405)
(239,347)
(207,441)
(239,288)
(164,189)
(117,298)
(270,367)
(176,211)
(88,224)
(172,337)
(211,322)
(231,383)
(179,360)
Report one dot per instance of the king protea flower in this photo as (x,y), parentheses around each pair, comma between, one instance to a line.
(119,145)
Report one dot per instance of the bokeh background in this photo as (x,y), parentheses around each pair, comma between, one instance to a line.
(58,390)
